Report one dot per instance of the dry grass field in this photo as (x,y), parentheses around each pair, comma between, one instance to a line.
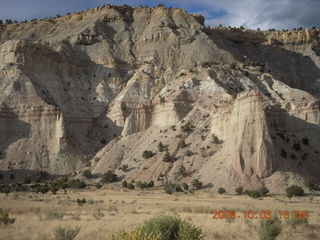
(109,209)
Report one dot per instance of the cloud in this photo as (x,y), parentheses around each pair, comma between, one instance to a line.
(266,13)
(249,13)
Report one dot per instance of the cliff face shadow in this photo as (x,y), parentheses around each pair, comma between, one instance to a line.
(292,68)
(297,144)
(11,129)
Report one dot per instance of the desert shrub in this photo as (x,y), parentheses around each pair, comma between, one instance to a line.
(221,190)
(26,180)
(54,189)
(147,154)
(61,183)
(42,176)
(76,183)
(6,189)
(1,176)
(185,186)
(253,194)
(130,186)
(216,140)
(189,153)
(296,147)
(151,184)
(11,176)
(4,217)
(171,228)
(139,184)
(52,215)
(161,147)
(269,229)
(182,144)
(293,221)
(167,157)
(124,184)
(294,190)
(309,183)
(239,190)
(109,177)
(67,233)
(136,234)
(143,185)
(283,153)
(172,188)
(98,214)
(263,191)
(98,185)
(41,188)
(305,141)
(196,184)
(124,168)
(188,127)
(182,171)
(87,173)
(81,202)
(162,99)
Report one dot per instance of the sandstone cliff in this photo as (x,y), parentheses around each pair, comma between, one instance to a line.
(96,89)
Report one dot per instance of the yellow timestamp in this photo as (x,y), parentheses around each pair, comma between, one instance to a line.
(260,214)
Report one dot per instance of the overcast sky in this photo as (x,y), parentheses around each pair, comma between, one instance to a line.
(249,13)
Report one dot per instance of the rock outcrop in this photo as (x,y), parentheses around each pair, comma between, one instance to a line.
(96,89)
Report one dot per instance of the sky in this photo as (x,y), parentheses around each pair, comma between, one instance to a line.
(264,14)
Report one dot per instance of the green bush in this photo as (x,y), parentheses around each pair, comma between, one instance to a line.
(182,171)
(305,141)
(221,190)
(76,183)
(294,190)
(216,140)
(130,186)
(196,184)
(68,233)
(87,173)
(42,176)
(124,184)
(136,234)
(185,186)
(41,188)
(124,168)
(189,153)
(6,189)
(161,147)
(253,194)
(109,177)
(81,202)
(166,157)
(309,183)
(269,229)
(296,147)
(98,185)
(171,228)
(188,127)
(239,190)
(143,185)
(171,188)
(283,153)
(182,144)
(147,154)
(263,191)
(4,217)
